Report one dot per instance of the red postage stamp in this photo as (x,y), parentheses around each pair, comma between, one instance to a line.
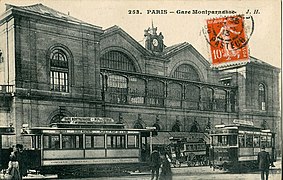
(227,39)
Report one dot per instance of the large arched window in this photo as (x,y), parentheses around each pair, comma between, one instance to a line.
(117,60)
(262,97)
(59,70)
(187,72)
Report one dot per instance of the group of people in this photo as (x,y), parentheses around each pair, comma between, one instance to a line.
(157,161)
(16,166)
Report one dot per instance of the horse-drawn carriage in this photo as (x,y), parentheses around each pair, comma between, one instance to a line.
(191,152)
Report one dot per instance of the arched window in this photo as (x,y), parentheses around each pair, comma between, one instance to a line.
(117,60)
(187,72)
(177,126)
(174,95)
(261,97)
(117,89)
(59,71)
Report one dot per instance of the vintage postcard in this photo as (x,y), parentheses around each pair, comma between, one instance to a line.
(153,89)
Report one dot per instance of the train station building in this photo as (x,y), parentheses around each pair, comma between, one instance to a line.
(53,65)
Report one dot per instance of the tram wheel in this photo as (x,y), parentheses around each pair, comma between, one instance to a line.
(191,159)
(204,161)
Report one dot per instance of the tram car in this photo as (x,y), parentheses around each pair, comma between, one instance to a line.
(193,152)
(86,146)
(235,147)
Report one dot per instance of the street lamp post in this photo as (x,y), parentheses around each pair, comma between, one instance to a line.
(150,136)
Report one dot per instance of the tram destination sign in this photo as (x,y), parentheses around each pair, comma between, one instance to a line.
(94,120)
(86,131)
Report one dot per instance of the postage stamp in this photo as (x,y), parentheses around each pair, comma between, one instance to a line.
(228,39)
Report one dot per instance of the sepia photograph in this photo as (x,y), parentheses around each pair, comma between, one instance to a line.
(142,90)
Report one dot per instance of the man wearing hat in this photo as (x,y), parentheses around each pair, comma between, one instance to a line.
(263,159)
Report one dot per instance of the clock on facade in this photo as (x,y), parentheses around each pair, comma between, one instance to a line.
(155,42)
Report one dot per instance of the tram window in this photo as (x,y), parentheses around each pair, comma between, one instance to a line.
(116,141)
(232,140)
(36,142)
(79,142)
(98,141)
(191,147)
(72,141)
(222,140)
(268,141)
(133,141)
(241,140)
(120,141)
(54,142)
(249,140)
(46,142)
(88,142)
(263,140)
(214,140)
(256,141)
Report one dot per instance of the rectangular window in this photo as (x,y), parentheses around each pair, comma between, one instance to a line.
(116,141)
(133,141)
(232,140)
(249,140)
(263,106)
(46,142)
(98,141)
(72,141)
(51,142)
(263,140)
(36,142)
(268,141)
(59,81)
(88,142)
(256,141)
(241,140)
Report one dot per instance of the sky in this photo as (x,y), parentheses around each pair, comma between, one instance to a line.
(264,43)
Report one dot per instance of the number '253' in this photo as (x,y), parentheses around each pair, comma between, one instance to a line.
(136,11)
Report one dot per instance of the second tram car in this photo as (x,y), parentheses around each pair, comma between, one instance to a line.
(79,146)
(235,147)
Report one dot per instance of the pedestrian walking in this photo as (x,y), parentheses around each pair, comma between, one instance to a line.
(22,159)
(263,163)
(155,163)
(166,173)
(13,168)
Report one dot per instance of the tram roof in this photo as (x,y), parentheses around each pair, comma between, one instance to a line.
(57,130)
(235,128)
